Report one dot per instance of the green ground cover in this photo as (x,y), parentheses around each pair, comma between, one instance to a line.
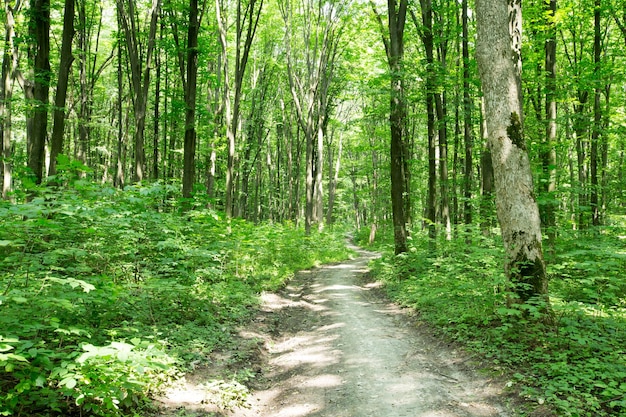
(107,295)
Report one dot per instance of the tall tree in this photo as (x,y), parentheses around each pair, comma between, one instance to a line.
(140,71)
(467,117)
(65,63)
(597,113)
(9,67)
(246,22)
(425,30)
(499,63)
(188,66)
(39,29)
(393,39)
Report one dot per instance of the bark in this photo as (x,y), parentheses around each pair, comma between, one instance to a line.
(189,152)
(597,118)
(157,110)
(66,59)
(40,32)
(443,163)
(499,64)
(9,69)
(332,186)
(425,30)
(467,120)
(119,158)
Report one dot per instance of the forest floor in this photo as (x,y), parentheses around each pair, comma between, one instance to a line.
(331,345)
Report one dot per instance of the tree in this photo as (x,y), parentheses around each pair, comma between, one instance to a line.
(499,64)
(188,66)
(393,40)
(246,24)
(140,71)
(40,32)
(426,34)
(309,85)
(66,59)
(9,67)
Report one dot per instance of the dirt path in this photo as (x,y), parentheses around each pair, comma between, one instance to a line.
(335,348)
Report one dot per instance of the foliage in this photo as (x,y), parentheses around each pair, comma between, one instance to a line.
(107,295)
(576,365)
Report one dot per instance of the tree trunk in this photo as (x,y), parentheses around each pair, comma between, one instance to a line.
(9,67)
(65,63)
(246,24)
(189,153)
(443,164)
(119,158)
(394,47)
(467,120)
(332,185)
(140,74)
(597,117)
(40,32)
(499,63)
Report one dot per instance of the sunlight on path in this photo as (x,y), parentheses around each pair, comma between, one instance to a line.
(341,352)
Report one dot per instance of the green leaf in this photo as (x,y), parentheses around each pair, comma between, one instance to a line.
(69,382)
(40,381)
(6,356)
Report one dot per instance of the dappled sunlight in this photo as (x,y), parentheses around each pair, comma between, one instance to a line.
(183,393)
(355,356)
(298,410)
(275,302)
(338,288)
(322,381)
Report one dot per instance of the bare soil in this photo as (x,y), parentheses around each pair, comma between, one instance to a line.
(331,345)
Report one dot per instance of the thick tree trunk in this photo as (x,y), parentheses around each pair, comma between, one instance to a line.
(499,64)
(40,31)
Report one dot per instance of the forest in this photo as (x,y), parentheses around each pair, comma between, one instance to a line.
(164,162)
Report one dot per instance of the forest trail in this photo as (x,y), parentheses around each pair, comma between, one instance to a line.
(334,347)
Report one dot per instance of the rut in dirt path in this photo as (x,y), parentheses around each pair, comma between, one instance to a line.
(340,350)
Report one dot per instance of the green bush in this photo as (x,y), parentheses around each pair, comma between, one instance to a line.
(106,295)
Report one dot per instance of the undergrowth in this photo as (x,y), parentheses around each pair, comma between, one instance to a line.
(107,295)
(577,365)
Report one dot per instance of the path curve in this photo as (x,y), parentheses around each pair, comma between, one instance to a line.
(338,349)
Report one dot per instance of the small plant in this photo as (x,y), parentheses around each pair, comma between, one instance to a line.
(227,395)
